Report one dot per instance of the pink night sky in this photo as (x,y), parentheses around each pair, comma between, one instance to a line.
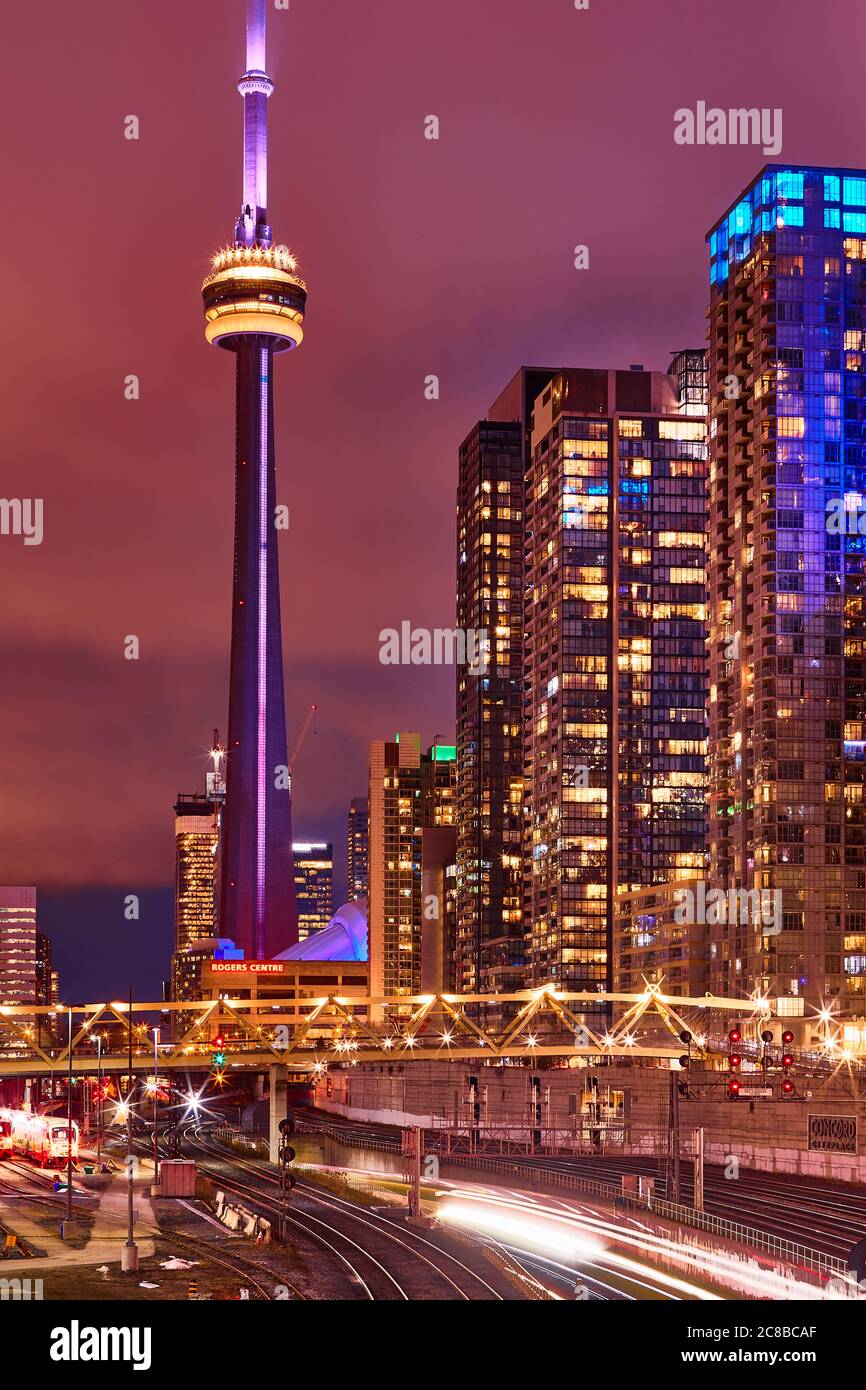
(452,257)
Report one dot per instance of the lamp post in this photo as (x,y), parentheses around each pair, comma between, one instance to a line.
(129,1254)
(98,1102)
(69,1127)
(155,1104)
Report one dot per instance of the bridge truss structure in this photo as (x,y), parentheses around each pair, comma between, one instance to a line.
(307,1034)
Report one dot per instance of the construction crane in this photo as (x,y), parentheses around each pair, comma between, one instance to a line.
(311,715)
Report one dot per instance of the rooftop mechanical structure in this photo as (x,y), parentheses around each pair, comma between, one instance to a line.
(254,306)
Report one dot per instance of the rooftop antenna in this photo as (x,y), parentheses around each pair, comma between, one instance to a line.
(255,87)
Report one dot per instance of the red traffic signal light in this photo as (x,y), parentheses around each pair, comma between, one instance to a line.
(787,1038)
(787,1060)
(787,1087)
(733,1086)
(734,1060)
(734,1035)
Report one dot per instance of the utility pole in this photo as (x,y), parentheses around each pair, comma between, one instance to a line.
(412,1155)
(673,1163)
(699,1170)
(129,1254)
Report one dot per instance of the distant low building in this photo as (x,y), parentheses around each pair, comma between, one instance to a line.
(409,790)
(18,956)
(358,847)
(187,975)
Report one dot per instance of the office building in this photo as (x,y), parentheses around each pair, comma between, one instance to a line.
(358,847)
(18,947)
(314,886)
(196,838)
(408,791)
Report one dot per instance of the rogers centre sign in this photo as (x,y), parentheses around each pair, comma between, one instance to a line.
(248,967)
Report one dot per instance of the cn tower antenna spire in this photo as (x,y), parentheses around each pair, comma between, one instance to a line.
(255,87)
(256,29)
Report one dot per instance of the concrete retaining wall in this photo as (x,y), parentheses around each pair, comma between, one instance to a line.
(770,1134)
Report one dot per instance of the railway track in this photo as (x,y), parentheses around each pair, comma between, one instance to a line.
(338,1224)
(829,1217)
(240,1265)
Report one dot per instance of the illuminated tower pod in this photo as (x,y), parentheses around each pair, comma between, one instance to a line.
(254,307)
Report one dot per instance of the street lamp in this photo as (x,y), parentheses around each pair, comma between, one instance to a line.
(69,1126)
(129,1254)
(98,1102)
(155,1104)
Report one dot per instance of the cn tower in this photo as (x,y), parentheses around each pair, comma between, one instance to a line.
(254,307)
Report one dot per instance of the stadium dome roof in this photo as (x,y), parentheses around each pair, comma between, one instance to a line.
(344,938)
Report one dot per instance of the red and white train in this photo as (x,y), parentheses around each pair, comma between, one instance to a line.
(43,1138)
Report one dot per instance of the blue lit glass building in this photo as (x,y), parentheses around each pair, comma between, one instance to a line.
(787,318)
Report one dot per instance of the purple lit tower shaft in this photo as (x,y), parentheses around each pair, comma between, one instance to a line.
(258,908)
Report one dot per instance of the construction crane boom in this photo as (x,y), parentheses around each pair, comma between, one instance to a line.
(311,714)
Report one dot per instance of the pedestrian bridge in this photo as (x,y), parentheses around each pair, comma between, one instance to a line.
(306,1035)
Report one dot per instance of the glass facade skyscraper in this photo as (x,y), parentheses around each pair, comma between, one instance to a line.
(489,950)
(787,323)
(615,678)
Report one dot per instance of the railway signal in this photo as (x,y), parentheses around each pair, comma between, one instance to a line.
(535,1109)
(787,1064)
(683,1081)
(474,1112)
(734,1063)
(766,1039)
(286,1156)
(219,1056)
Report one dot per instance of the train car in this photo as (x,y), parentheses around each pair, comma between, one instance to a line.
(5,1135)
(43,1138)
